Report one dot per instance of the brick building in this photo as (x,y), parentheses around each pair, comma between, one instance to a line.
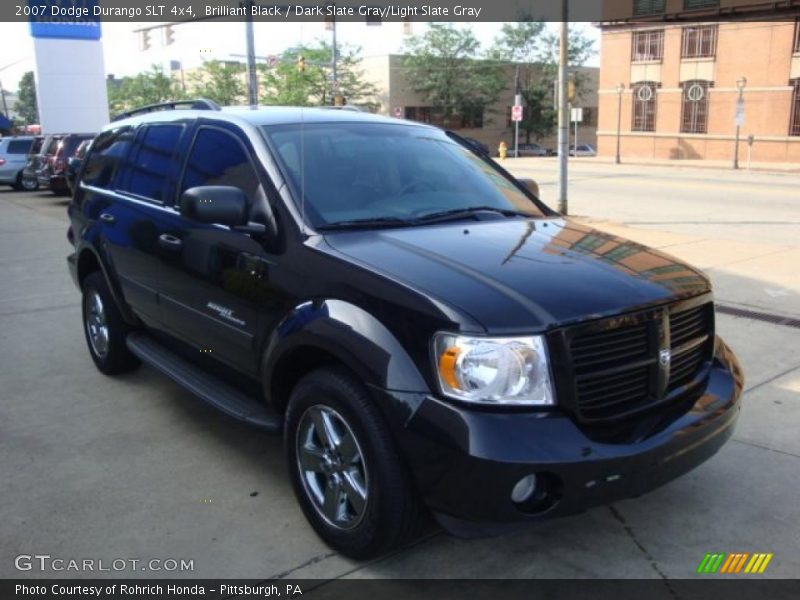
(675,74)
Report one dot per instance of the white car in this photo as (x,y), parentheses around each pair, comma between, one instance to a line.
(13,158)
(583,150)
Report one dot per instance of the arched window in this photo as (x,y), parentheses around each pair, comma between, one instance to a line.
(694,107)
(644,106)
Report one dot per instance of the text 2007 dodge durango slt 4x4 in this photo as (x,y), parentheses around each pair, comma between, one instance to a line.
(425,331)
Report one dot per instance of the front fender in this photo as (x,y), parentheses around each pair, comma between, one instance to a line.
(353,336)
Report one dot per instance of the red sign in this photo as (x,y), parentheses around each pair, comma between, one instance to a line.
(516,113)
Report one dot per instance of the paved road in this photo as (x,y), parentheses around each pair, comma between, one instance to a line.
(743,206)
(135,467)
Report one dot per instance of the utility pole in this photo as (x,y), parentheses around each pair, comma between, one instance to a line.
(563,110)
(517,102)
(252,79)
(5,105)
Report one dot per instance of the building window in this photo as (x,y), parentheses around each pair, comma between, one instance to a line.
(698,4)
(699,42)
(468,119)
(794,122)
(647,46)
(694,107)
(797,36)
(648,7)
(644,106)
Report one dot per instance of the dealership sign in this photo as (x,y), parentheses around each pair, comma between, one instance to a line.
(64,19)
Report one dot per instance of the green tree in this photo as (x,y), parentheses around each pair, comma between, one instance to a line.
(536,48)
(444,65)
(286,84)
(149,87)
(224,83)
(26,100)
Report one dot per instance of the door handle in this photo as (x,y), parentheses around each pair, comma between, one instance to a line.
(170,242)
(108,218)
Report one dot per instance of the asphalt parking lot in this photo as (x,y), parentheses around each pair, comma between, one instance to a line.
(135,467)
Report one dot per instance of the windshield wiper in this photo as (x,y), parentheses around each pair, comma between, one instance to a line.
(468,211)
(374,222)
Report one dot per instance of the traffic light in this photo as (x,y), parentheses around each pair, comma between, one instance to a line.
(144,40)
(169,35)
(301,63)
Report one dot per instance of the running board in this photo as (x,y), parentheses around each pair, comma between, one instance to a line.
(206,387)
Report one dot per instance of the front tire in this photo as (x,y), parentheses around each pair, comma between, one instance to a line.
(28,185)
(346,472)
(104,328)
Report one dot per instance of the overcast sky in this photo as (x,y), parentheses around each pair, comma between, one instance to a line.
(197,41)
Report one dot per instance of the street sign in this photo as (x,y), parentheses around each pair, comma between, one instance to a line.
(576,115)
(398,111)
(516,113)
(738,119)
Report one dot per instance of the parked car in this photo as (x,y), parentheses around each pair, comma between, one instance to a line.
(531,150)
(38,162)
(13,157)
(423,329)
(29,181)
(583,150)
(74,164)
(52,172)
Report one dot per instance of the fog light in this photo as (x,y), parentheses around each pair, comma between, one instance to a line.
(524,489)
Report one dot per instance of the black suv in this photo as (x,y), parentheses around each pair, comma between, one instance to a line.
(422,328)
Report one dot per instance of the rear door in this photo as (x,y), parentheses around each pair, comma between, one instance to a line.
(217,283)
(129,171)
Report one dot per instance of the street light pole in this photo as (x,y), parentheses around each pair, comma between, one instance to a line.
(252,80)
(740,83)
(620,89)
(563,110)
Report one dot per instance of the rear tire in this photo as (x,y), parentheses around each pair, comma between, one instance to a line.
(350,480)
(104,328)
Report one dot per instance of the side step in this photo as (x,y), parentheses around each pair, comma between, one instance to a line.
(217,393)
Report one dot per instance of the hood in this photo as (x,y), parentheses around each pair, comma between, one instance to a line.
(515,274)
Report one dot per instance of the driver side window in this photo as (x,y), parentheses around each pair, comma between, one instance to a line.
(218,158)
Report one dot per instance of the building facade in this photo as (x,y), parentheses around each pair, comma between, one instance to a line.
(396,97)
(672,87)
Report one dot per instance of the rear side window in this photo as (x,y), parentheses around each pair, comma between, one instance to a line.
(218,158)
(108,150)
(151,161)
(19,146)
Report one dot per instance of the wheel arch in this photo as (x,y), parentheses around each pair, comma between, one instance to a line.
(335,333)
(89,261)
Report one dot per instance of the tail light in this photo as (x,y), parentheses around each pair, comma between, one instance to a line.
(2,161)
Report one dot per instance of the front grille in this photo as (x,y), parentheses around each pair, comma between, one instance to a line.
(618,366)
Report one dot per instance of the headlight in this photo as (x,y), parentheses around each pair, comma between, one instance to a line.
(509,371)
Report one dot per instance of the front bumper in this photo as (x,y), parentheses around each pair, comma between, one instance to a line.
(466,462)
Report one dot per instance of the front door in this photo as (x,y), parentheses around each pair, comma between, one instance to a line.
(216,286)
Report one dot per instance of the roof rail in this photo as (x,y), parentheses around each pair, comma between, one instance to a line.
(350,107)
(197,104)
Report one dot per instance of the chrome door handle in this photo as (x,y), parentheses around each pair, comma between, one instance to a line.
(108,218)
(170,242)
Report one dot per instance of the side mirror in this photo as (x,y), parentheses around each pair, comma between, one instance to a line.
(530,185)
(218,204)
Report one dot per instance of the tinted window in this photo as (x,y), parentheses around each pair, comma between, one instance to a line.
(218,158)
(108,150)
(350,171)
(70,144)
(37,145)
(151,160)
(19,146)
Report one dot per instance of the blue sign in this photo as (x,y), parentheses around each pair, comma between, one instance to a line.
(65,19)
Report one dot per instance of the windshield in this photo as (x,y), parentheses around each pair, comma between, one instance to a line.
(390,173)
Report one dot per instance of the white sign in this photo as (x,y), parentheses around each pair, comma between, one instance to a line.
(738,119)
(576,115)
(516,113)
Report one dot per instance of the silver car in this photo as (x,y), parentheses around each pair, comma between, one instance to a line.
(13,158)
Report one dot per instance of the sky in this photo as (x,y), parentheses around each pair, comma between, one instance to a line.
(195,42)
